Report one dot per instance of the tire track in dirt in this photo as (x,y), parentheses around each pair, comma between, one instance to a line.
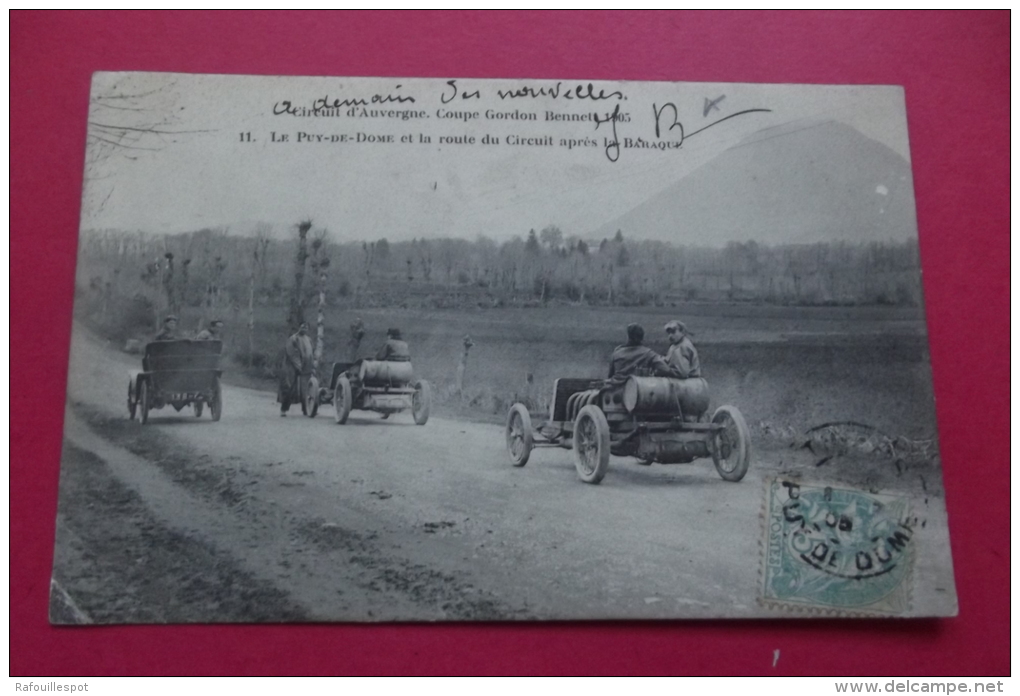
(116,562)
(322,568)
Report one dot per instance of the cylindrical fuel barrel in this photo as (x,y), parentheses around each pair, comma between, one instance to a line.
(386,373)
(666,395)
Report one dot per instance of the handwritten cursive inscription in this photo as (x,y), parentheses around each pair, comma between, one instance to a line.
(666,119)
(577,92)
(323,103)
(674,121)
(557,91)
(612,146)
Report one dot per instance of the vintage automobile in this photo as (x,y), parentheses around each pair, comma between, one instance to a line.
(655,419)
(382,386)
(177,373)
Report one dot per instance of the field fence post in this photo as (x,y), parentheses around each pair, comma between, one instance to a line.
(462,365)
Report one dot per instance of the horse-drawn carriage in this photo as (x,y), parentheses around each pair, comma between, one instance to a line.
(655,419)
(382,386)
(177,373)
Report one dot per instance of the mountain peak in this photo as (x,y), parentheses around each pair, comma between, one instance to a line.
(805,181)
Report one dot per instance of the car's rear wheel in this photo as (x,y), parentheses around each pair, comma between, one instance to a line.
(199,407)
(143,402)
(216,403)
(342,398)
(519,435)
(731,445)
(311,408)
(131,403)
(421,402)
(591,444)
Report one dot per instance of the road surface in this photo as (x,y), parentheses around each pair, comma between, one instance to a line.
(259,517)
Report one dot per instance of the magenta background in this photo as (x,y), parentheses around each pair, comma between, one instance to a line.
(955,68)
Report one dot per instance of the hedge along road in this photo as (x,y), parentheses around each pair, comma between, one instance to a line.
(376,520)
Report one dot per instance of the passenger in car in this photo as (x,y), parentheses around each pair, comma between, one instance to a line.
(395,349)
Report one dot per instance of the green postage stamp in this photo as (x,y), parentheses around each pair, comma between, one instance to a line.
(836,549)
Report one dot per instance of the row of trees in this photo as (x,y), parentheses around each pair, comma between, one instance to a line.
(221,272)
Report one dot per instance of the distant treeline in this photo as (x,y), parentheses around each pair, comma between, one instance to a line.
(213,269)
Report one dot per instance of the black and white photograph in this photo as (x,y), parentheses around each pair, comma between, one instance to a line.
(379,349)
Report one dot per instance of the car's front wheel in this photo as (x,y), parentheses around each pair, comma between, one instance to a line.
(591,444)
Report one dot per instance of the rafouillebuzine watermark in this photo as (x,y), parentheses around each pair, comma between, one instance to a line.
(51,686)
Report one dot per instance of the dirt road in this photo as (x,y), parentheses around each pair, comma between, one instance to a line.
(259,517)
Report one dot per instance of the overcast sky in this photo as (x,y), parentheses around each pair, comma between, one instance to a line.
(196,172)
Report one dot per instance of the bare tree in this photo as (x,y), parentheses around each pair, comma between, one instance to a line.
(257,272)
(319,263)
(551,236)
(152,278)
(215,285)
(296,312)
(425,259)
(128,119)
(168,285)
(357,329)
(368,249)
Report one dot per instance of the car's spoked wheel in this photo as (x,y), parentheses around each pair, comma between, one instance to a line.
(342,398)
(311,403)
(143,402)
(131,403)
(519,436)
(591,444)
(731,447)
(421,402)
(216,403)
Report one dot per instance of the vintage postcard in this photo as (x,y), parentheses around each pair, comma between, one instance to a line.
(351,349)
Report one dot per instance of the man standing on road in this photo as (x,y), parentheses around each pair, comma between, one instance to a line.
(169,332)
(395,348)
(633,358)
(297,364)
(213,333)
(682,355)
